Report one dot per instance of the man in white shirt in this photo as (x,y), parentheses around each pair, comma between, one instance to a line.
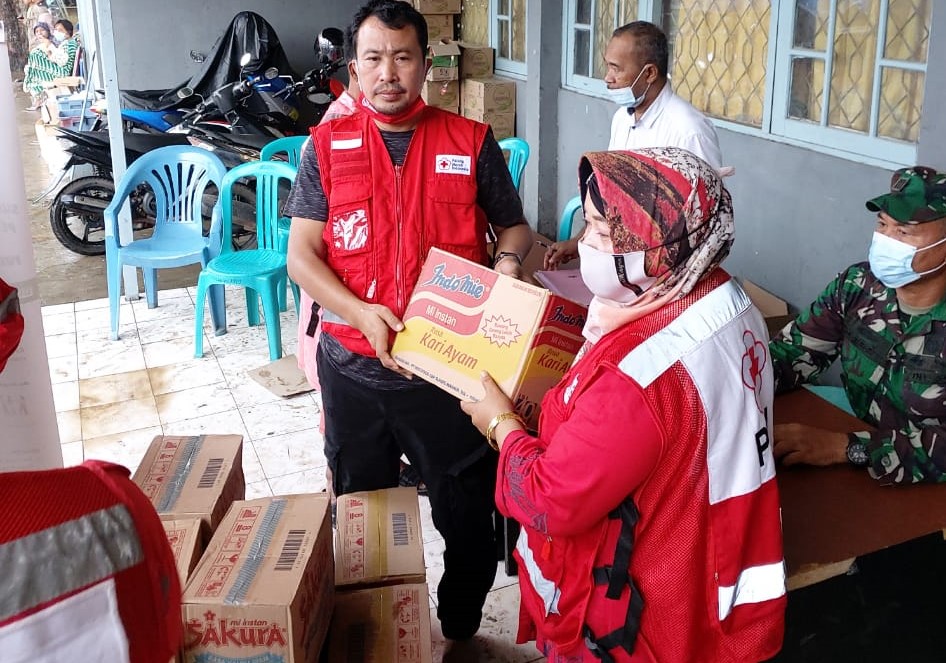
(649,113)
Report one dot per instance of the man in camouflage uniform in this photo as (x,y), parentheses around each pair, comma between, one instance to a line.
(886,319)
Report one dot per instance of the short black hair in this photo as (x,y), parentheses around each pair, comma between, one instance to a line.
(650,43)
(67,24)
(394,14)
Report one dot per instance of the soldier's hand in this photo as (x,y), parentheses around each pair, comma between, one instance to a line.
(375,322)
(803,444)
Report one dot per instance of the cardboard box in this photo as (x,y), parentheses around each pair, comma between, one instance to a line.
(476,60)
(488,95)
(445,61)
(773,309)
(439,27)
(186,537)
(503,124)
(388,625)
(437,6)
(193,477)
(378,539)
(464,318)
(263,590)
(442,94)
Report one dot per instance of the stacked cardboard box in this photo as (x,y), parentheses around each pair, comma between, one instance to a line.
(381,606)
(442,87)
(476,60)
(440,16)
(193,477)
(491,100)
(264,588)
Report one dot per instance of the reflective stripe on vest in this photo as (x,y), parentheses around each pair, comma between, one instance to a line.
(544,587)
(755,585)
(73,555)
(700,321)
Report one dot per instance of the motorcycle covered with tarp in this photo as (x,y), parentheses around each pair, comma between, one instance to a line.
(248,32)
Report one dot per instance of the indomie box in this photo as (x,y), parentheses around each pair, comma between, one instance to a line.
(502,124)
(193,477)
(476,60)
(378,539)
(264,589)
(464,318)
(387,624)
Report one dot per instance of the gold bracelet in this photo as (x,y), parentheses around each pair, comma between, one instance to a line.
(498,419)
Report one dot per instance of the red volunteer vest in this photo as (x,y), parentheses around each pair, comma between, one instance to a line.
(88,573)
(707,546)
(383,219)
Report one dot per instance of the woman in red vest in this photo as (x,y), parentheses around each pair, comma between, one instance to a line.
(648,502)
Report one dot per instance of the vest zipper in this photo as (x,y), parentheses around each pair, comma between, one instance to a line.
(398,285)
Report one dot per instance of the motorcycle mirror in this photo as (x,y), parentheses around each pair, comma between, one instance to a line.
(271,73)
(185,92)
(245,60)
(330,45)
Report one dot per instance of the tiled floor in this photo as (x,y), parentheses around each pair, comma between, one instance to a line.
(113,397)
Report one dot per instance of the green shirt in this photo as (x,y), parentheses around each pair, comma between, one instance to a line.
(893,370)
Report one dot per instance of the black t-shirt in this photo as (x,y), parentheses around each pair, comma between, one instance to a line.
(496,196)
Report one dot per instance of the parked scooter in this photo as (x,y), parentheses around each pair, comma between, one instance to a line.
(76,214)
(234,123)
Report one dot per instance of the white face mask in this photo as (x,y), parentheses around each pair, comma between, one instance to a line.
(624,96)
(59,36)
(891,260)
(617,277)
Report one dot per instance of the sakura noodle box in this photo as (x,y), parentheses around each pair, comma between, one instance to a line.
(464,318)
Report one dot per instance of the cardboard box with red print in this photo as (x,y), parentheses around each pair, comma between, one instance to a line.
(463,319)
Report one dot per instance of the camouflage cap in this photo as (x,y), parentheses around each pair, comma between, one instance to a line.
(917,195)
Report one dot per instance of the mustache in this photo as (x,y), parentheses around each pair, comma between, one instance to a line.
(382,89)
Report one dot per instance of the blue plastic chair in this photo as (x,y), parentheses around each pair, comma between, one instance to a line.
(261,271)
(179,176)
(518,157)
(291,147)
(568,215)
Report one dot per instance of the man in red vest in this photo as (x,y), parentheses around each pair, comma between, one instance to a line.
(375,191)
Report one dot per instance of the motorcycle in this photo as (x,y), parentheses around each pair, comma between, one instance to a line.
(76,214)
(235,123)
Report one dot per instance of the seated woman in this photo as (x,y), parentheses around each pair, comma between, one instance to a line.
(648,502)
(50,60)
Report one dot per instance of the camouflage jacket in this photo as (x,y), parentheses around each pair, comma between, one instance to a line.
(893,370)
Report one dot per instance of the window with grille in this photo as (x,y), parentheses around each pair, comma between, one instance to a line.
(588,28)
(508,35)
(851,73)
(845,75)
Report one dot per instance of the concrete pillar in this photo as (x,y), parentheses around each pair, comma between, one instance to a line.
(29,434)
(544,60)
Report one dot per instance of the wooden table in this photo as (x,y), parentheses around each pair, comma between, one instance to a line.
(830,515)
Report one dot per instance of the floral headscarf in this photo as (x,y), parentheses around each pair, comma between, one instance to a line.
(667,201)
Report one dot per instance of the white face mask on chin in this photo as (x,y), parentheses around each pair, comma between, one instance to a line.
(618,277)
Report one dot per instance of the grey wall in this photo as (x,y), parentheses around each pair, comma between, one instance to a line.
(153,39)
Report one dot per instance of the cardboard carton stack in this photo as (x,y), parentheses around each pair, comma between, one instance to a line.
(382,611)
(440,16)
(264,588)
(493,101)
(193,477)
(442,87)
